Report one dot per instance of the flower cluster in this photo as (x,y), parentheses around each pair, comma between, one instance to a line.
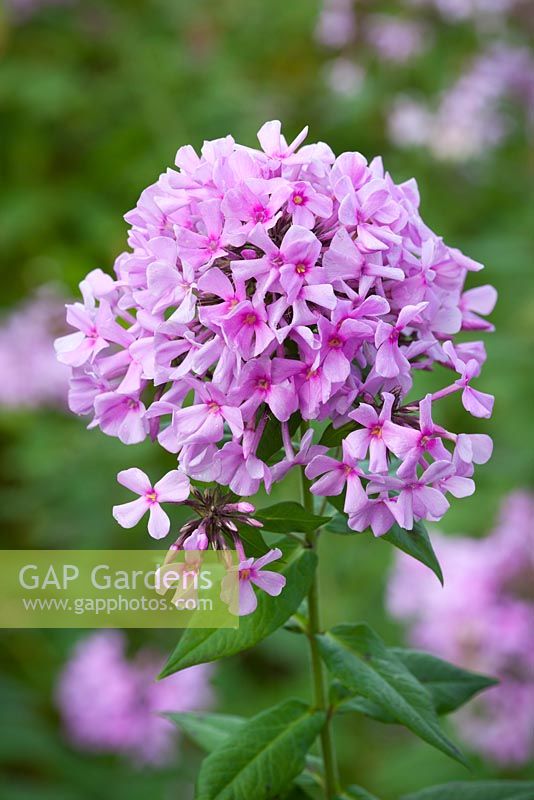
(265,287)
(111,704)
(32,376)
(483,620)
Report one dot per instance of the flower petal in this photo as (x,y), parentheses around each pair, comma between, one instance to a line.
(159,523)
(135,479)
(129,514)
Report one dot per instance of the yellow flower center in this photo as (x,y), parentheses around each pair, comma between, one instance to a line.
(335,341)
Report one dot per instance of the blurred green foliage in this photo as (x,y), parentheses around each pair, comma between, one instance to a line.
(95,98)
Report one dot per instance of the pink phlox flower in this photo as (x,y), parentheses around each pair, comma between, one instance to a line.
(245,329)
(97,329)
(305,204)
(344,262)
(305,454)
(372,209)
(242,472)
(202,422)
(337,475)
(174,487)
(269,381)
(251,572)
(370,438)
(390,360)
(121,415)
(375,514)
(274,144)
(417,497)
(479,404)
(299,250)
(256,200)
(200,249)
(475,302)
(411,445)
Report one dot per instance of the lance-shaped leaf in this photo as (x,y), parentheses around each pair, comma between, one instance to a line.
(357,657)
(199,645)
(207,731)
(477,790)
(449,686)
(415,543)
(253,541)
(288,517)
(263,757)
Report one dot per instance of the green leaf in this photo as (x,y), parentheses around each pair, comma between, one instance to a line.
(332,437)
(338,501)
(449,686)
(289,516)
(255,544)
(263,757)
(199,645)
(415,543)
(477,790)
(338,524)
(355,793)
(271,440)
(360,705)
(356,656)
(207,731)
(296,792)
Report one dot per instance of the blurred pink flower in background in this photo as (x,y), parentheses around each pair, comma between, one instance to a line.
(343,76)
(396,39)
(112,704)
(471,116)
(487,98)
(457,10)
(24,9)
(336,26)
(483,619)
(31,374)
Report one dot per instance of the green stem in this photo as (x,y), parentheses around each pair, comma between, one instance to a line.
(320,692)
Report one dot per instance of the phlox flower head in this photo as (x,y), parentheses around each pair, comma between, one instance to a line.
(267,287)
